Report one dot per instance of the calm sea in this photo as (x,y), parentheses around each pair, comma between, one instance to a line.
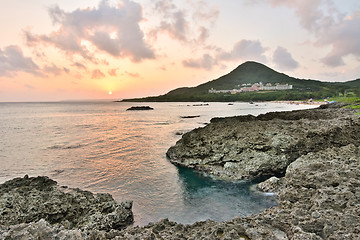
(101,147)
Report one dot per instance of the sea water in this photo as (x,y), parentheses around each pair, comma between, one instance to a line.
(101,147)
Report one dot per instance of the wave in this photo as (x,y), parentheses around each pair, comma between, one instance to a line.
(73,146)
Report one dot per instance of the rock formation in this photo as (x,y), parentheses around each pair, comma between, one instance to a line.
(25,200)
(247,147)
(139,108)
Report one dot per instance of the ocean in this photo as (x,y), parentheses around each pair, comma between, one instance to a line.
(102,148)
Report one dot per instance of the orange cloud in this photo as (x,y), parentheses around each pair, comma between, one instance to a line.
(97,74)
(112,72)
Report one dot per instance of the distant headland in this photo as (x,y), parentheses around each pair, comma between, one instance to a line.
(252,81)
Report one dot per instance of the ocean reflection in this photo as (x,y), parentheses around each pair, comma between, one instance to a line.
(101,147)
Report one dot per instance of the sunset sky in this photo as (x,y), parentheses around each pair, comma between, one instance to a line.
(54,50)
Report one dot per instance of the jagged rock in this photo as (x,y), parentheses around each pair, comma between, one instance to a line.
(320,196)
(25,200)
(247,147)
(43,230)
(272,185)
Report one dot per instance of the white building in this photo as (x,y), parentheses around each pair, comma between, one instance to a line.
(277,86)
(254,87)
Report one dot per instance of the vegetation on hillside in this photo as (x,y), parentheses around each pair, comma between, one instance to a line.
(354,102)
(252,72)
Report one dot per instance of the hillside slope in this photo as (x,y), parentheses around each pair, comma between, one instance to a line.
(253,72)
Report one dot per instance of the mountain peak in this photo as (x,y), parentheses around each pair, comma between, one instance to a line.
(252,65)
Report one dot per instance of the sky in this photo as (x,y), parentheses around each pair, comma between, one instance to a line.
(53,50)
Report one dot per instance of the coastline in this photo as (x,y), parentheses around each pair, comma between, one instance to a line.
(301,102)
(317,193)
(248,147)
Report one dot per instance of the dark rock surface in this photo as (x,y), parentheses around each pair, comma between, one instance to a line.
(247,147)
(138,108)
(25,200)
(191,116)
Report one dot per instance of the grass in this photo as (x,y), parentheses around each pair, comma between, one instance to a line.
(351,100)
(354,102)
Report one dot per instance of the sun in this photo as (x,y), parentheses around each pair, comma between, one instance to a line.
(110,92)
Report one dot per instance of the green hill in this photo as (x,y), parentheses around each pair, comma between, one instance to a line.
(253,72)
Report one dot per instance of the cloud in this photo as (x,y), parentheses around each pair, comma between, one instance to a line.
(133,75)
(163,68)
(12,60)
(204,12)
(112,72)
(97,74)
(165,7)
(204,34)
(242,50)
(334,58)
(53,69)
(112,29)
(28,86)
(284,60)
(329,26)
(343,37)
(190,26)
(206,62)
(245,50)
(309,12)
(79,65)
(177,28)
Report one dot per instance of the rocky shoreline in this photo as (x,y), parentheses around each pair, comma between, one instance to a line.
(313,157)
(248,147)
(30,199)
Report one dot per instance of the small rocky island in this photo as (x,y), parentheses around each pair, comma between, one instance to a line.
(312,159)
(190,116)
(139,108)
